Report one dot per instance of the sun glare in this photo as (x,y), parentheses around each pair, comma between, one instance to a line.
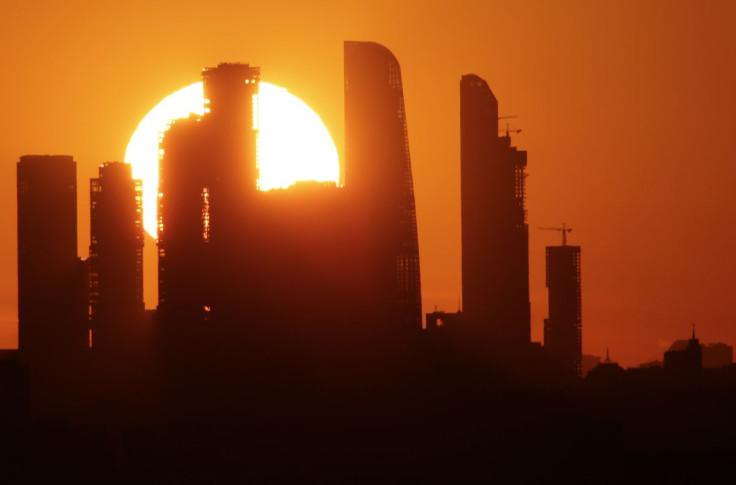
(293,143)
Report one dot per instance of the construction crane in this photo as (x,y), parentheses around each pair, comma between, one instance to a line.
(508,131)
(564,230)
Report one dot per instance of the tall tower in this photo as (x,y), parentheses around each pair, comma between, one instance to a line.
(208,176)
(115,256)
(563,328)
(52,299)
(378,176)
(495,234)
(182,205)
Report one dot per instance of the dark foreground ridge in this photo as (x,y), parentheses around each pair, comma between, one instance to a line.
(441,421)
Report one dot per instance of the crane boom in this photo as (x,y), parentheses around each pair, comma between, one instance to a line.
(564,230)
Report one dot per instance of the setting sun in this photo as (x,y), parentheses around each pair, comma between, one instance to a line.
(293,143)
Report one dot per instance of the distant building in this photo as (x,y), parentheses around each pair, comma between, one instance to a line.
(647,376)
(438,319)
(685,364)
(116,256)
(563,329)
(52,297)
(714,355)
(495,233)
(678,345)
(588,362)
(717,355)
(607,374)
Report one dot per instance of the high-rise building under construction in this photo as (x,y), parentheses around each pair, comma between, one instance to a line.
(495,233)
(563,328)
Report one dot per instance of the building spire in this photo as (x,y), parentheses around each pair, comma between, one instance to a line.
(693,331)
(608,359)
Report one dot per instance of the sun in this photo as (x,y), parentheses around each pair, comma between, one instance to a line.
(293,143)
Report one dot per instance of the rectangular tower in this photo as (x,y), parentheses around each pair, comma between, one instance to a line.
(495,234)
(207,181)
(563,328)
(52,304)
(115,256)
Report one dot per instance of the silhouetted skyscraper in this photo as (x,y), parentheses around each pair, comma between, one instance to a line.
(115,256)
(378,174)
(302,274)
(563,328)
(52,304)
(208,177)
(495,234)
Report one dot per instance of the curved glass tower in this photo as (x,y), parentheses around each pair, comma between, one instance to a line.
(378,174)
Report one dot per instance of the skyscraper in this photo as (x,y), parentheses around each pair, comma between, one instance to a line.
(116,257)
(495,234)
(305,270)
(208,177)
(52,304)
(563,328)
(378,176)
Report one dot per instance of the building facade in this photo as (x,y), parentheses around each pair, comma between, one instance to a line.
(208,182)
(52,281)
(379,178)
(311,266)
(563,329)
(685,365)
(495,233)
(115,256)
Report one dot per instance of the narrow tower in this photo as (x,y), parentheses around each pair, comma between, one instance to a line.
(495,234)
(208,175)
(52,298)
(563,328)
(115,257)
(378,177)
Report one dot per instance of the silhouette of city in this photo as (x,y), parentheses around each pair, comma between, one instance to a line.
(288,341)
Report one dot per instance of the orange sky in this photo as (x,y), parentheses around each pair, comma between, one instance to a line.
(628,111)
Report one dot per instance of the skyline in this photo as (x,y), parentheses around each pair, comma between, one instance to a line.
(670,293)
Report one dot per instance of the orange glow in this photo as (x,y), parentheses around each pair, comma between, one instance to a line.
(627,108)
(293,143)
